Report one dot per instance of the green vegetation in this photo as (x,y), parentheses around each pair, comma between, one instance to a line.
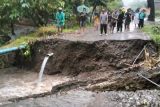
(153,31)
(1,42)
(157,13)
(115,4)
(21,40)
(42,13)
(42,32)
(38,11)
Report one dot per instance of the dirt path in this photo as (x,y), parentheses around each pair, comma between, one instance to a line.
(91,35)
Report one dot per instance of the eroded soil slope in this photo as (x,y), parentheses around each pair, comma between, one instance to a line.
(74,57)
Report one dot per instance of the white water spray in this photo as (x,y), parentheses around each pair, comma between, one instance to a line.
(43,67)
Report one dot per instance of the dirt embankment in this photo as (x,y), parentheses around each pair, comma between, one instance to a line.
(72,58)
(104,65)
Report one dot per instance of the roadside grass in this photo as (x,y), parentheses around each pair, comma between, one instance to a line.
(153,32)
(39,33)
(157,13)
(70,30)
(23,40)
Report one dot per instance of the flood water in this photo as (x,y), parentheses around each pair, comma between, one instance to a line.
(81,98)
(19,83)
(16,83)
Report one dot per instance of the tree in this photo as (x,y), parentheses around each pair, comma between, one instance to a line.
(9,13)
(151,5)
(114,4)
(39,11)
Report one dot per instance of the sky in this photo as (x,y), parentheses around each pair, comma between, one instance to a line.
(134,3)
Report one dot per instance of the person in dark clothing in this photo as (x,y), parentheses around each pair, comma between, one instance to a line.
(114,18)
(120,21)
(128,18)
(82,20)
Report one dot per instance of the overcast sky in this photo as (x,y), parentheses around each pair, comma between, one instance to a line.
(134,4)
(129,2)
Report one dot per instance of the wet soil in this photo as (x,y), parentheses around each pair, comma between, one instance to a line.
(74,57)
(104,65)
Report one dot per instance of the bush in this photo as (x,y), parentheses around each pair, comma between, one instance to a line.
(1,42)
(153,31)
(156,29)
(46,31)
(4,39)
(157,13)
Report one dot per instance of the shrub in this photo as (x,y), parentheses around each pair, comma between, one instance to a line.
(157,13)
(153,31)
(46,31)
(156,29)
(1,42)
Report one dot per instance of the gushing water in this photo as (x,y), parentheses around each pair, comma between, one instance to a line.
(43,67)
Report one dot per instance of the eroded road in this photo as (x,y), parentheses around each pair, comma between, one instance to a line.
(91,35)
(21,84)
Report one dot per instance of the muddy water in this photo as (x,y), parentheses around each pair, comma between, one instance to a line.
(72,98)
(19,83)
(81,98)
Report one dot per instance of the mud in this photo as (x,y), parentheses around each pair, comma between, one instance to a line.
(109,62)
(74,57)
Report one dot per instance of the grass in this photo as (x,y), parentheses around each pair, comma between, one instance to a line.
(148,29)
(20,41)
(71,29)
(41,32)
(157,13)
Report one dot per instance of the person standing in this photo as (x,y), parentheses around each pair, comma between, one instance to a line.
(103,22)
(82,20)
(114,20)
(60,18)
(96,21)
(142,15)
(110,22)
(136,18)
(128,18)
(120,21)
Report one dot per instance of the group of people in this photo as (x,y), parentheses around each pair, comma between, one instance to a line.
(106,20)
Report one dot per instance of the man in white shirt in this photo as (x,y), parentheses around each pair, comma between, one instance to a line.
(103,22)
